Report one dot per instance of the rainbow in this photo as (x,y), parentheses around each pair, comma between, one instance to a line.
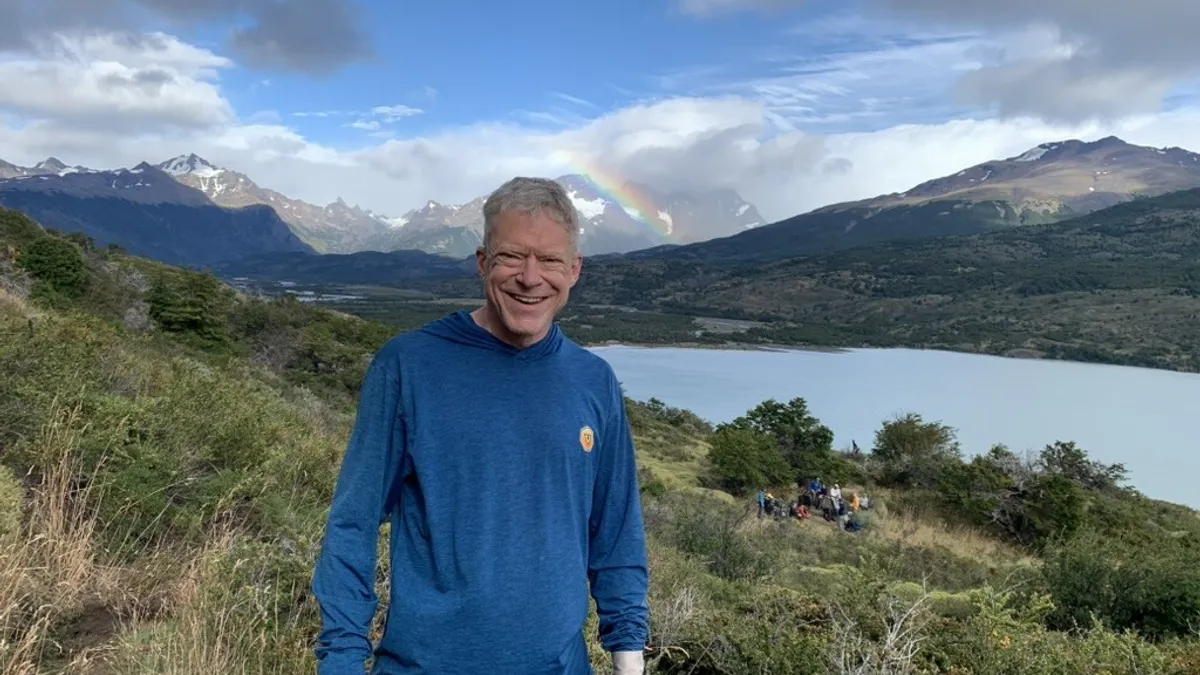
(636,202)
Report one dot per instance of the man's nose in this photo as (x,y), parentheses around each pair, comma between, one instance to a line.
(531,273)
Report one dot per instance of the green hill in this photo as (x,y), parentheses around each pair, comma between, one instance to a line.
(1048,183)
(168,448)
(1121,285)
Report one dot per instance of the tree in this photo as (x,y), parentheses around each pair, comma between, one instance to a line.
(999,491)
(744,459)
(912,452)
(191,303)
(58,267)
(804,443)
(1072,462)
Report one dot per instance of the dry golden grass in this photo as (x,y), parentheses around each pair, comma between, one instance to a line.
(963,541)
(52,564)
(199,638)
(66,607)
(11,303)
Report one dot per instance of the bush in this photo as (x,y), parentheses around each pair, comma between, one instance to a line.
(710,530)
(194,305)
(1155,591)
(58,267)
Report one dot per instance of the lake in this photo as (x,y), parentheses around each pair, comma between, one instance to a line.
(1147,419)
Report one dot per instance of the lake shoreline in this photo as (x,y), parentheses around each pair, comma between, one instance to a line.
(728,346)
(1022,403)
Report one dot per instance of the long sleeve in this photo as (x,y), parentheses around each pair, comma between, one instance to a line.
(344,579)
(617,562)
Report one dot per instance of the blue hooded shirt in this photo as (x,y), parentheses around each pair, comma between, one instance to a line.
(510,482)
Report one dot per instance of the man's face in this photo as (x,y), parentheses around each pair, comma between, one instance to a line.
(527,275)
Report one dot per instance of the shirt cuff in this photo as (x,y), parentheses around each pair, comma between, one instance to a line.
(628,663)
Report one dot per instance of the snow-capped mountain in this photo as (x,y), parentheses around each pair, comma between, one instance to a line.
(645,218)
(606,225)
(147,212)
(1072,176)
(143,184)
(48,167)
(334,228)
(1044,184)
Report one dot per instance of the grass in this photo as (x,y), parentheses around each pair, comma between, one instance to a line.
(163,504)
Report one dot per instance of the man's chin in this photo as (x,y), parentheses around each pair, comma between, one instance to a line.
(526,326)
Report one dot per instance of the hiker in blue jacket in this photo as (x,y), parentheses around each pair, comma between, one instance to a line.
(500,452)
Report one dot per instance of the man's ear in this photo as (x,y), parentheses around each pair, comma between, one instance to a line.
(576,268)
(481,261)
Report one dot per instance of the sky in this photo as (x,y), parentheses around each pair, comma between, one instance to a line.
(793,103)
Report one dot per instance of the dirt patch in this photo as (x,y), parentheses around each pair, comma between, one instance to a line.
(94,626)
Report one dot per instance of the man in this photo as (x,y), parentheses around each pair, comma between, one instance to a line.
(500,453)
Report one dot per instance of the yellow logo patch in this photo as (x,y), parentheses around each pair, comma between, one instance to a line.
(587,439)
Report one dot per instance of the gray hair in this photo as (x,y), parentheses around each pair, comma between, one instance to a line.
(533,196)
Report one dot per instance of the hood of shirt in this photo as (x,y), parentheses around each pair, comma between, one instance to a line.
(460,328)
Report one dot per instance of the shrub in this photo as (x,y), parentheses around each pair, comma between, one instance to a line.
(1155,591)
(58,267)
(711,530)
(192,304)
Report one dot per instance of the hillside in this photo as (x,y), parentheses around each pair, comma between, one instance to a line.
(148,213)
(1116,286)
(1048,183)
(1121,285)
(169,448)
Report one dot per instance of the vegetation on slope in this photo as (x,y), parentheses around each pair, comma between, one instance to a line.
(164,482)
(1118,286)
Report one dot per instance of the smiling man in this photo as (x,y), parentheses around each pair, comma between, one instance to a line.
(500,453)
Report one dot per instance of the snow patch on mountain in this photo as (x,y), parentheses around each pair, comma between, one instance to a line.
(588,208)
(1032,155)
(190,164)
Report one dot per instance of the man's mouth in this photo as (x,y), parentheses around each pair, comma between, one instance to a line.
(528,299)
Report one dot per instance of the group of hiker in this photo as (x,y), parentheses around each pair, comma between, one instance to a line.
(828,501)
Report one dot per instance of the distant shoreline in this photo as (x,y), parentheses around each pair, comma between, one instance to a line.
(729,346)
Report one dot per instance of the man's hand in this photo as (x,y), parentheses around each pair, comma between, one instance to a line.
(628,663)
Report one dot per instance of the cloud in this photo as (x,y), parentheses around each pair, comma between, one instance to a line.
(1061,60)
(391,113)
(382,114)
(116,82)
(79,98)
(575,100)
(680,143)
(854,74)
(313,36)
(713,7)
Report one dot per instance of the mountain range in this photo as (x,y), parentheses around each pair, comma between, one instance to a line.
(606,224)
(191,211)
(1048,183)
(333,228)
(147,212)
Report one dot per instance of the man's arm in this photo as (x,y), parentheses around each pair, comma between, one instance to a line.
(344,579)
(617,561)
